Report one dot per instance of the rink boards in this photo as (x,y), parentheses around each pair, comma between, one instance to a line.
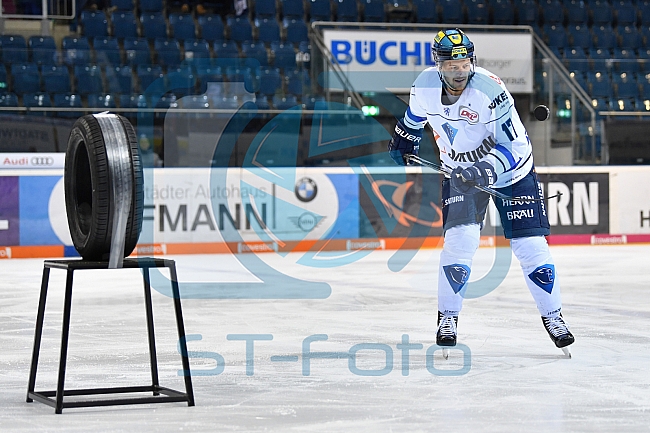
(202,210)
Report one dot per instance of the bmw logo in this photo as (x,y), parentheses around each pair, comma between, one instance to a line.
(306,190)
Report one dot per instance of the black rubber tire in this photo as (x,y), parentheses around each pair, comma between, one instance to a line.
(87,187)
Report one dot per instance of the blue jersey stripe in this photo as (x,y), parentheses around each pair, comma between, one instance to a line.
(507,154)
(412,116)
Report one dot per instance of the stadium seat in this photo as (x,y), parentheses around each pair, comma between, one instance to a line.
(579,79)
(577,12)
(320,10)
(556,36)
(625,60)
(265,9)
(131,101)
(478,11)
(426,11)
(600,104)
(168,51)
(88,79)
(43,50)
(373,11)
(268,30)
(182,26)
(641,104)
(601,13)
(182,80)
(147,76)
(240,29)
(643,58)
(225,49)
(600,59)
(527,12)
(67,100)
(503,12)
(643,9)
(296,30)
(256,51)
(285,102)
(136,51)
(262,102)
(56,79)
(154,25)
(346,11)
(151,5)
(26,78)
(629,37)
(293,9)
(284,56)
(580,36)
(599,85)
(102,101)
(625,11)
(107,51)
(622,104)
(451,11)
(9,99)
(37,100)
(575,59)
(298,82)
(604,37)
(311,102)
(76,51)
(13,49)
(644,85)
(4,78)
(122,5)
(399,11)
(196,49)
(270,81)
(211,27)
(208,74)
(124,25)
(119,79)
(94,24)
(625,86)
(165,102)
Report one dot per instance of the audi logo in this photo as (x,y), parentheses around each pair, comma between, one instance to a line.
(42,161)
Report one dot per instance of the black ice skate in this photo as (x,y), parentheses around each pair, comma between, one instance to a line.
(447,331)
(559,333)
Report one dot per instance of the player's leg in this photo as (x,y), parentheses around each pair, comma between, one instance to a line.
(526,224)
(462,217)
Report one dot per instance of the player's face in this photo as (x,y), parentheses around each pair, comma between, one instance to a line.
(456,74)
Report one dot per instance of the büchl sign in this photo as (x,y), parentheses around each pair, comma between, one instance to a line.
(391,60)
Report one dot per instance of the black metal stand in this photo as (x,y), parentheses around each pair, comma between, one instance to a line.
(55,398)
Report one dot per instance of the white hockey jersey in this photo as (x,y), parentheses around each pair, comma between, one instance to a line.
(482,124)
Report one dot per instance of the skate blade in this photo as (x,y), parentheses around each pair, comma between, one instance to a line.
(567,352)
(445,353)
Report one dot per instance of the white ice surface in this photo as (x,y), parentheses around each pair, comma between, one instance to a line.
(517,380)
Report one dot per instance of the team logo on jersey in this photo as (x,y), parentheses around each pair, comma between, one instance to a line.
(469,114)
(446,110)
(495,78)
(450,131)
(500,99)
(543,277)
(457,275)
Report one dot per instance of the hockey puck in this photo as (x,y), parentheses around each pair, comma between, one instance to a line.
(541,112)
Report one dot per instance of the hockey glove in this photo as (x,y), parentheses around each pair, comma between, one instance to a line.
(481,173)
(405,141)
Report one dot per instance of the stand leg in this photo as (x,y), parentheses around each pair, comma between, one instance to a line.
(150,331)
(65,333)
(38,332)
(181,335)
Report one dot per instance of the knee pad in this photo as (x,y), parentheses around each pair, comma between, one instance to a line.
(462,241)
(532,251)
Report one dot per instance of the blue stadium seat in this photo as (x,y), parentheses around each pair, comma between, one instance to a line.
(268,30)
(399,11)
(556,36)
(67,100)
(625,86)
(151,5)
(600,59)
(119,79)
(56,79)
(37,100)
(293,8)
(166,101)
(641,104)
(256,51)
(225,49)
(132,101)
(296,30)
(626,61)
(88,79)
(26,78)
(43,50)
(76,51)
(211,27)
(102,101)
(265,9)
(182,80)
(451,12)
(373,11)
(629,37)
(284,56)
(527,12)
(168,51)
(644,84)
(346,11)
(577,12)
(285,102)
(320,10)
(207,73)
(579,79)
(182,26)
(13,49)
(298,82)
(262,102)
(147,76)
(626,13)
(196,49)
(122,5)
(154,25)
(552,12)
(601,12)
(313,102)
(94,24)
(503,12)
(240,29)
(4,78)
(9,99)
(600,104)
(124,25)
(643,9)
(599,85)
(478,11)
(575,59)
(270,81)
(426,11)
(622,104)
(580,36)
(136,51)
(604,37)
(107,51)
(643,57)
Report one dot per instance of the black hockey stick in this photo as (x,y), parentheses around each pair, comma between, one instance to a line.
(444,170)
